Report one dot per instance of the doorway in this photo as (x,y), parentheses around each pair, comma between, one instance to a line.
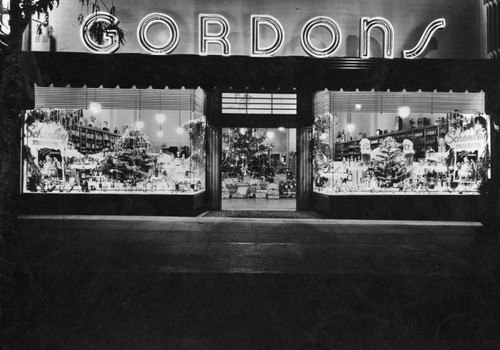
(259,169)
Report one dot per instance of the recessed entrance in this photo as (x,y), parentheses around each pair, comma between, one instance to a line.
(259,169)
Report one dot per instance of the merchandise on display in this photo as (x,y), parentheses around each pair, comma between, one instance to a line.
(258,163)
(449,156)
(67,152)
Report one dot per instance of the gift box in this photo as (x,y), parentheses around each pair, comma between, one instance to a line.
(273,192)
(262,194)
(241,192)
(225,193)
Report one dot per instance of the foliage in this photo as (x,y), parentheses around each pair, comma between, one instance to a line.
(322,151)
(35,176)
(133,157)
(133,139)
(197,133)
(67,118)
(22,11)
(389,164)
(248,154)
(483,165)
(38,7)
(98,29)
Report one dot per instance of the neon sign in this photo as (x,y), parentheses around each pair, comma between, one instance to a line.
(279,35)
(425,39)
(158,18)
(220,37)
(110,43)
(208,37)
(366,25)
(330,25)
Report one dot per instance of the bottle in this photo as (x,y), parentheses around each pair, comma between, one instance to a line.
(349,175)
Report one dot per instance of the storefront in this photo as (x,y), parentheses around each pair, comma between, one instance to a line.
(165,134)
(417,154)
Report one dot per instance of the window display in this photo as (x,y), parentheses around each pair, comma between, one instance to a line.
(258,163)
(440,153)
(113,151)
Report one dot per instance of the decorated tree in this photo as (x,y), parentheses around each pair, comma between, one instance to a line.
(33,170)
(388,165)
(246,153)
(197,131)
(133,157)
(323,156)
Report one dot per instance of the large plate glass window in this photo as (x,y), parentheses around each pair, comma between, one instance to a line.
(400,143)
(115,141)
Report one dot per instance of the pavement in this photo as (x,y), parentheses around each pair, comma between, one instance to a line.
(174,245)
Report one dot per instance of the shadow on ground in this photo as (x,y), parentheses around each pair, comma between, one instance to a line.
(75,308)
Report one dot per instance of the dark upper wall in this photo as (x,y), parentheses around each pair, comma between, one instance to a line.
(460,39)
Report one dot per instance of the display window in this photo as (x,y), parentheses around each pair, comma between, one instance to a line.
(258,168)
(99,150)
(413,150)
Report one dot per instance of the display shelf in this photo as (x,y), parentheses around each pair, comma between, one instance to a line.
(89,140)
(422,138)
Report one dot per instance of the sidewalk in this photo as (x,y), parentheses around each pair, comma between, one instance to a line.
(249,246)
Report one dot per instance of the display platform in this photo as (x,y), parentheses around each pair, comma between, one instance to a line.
(399,207)
(181,204)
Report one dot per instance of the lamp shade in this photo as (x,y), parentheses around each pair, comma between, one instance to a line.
(139,124)
(160,118)
(95,107)
(404,111)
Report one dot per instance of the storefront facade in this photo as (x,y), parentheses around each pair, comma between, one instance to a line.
(144,132)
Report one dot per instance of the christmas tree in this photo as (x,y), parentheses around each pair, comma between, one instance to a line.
(197,130)
(133,157)
(322,150)
(246,153)
(389,164)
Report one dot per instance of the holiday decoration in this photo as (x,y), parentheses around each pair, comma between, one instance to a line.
(133,157)
(246,153)
(388,164)
(197,130)
(34,174)
(322,149)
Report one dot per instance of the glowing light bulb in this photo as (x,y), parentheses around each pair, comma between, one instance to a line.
(404,111)
(350,127)
(95,107)
(160,133)
(160,118)
(282,129)
(270,134)
(358,106)
(139,124)
(179,130)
